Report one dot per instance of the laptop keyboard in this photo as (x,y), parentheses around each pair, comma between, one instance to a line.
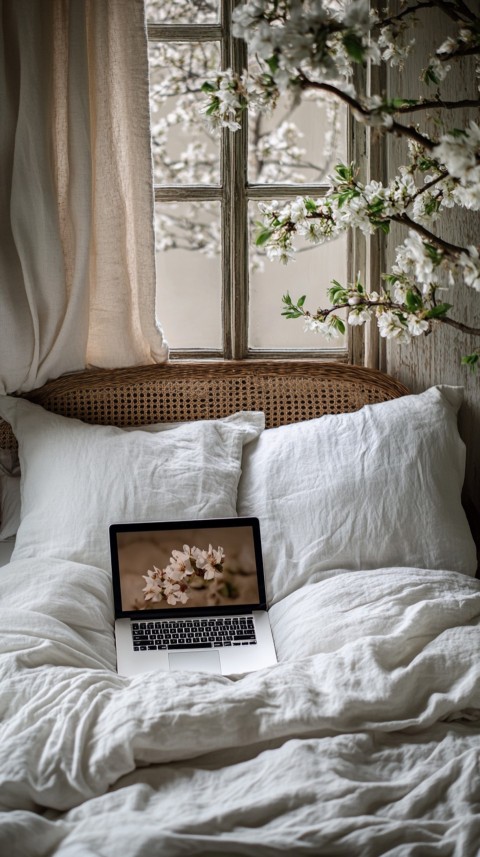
(193,633)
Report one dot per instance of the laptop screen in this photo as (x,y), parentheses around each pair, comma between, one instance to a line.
(187,567)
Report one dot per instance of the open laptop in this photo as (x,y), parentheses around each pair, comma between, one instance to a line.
(190,595)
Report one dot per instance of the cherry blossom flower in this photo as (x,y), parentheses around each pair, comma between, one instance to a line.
(392,326)
(470,267)
(173,582)
(210,562)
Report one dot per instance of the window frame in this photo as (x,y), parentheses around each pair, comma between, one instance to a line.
(234,194)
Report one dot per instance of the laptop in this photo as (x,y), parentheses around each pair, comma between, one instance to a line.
(190,595)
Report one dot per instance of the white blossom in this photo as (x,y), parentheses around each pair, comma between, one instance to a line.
(277,253)
(152,589)
(470,267)
(391,326)
(460,153)
(448,46)
(413,259)
(172,582)
(393,51)
(325,327)
(354,214)
(438,68)
(358,316)
(416,325)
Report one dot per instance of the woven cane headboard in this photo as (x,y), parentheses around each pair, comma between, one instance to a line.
(286,391)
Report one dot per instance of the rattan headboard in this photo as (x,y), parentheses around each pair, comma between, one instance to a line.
(286,391)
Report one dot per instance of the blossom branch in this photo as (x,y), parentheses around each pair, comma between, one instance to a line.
(315,53)
(364,113)
(451,249)
(409,10)
(438,103)
(391,305)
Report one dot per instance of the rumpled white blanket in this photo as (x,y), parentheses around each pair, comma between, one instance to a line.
(364,740)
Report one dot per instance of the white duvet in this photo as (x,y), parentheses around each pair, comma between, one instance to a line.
(364,740)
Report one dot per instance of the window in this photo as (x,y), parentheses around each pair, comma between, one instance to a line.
(218,294)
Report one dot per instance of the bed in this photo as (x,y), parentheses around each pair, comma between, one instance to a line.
(364,739)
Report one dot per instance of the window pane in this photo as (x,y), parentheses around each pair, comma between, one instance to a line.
(297,145)
(310,273)
(182,11)
(183,150)
(189,283)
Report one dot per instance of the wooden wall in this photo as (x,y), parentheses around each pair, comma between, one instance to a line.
(435,359)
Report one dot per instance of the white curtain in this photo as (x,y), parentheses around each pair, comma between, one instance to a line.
(77,264)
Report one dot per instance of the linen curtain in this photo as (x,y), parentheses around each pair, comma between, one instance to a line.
(77,259)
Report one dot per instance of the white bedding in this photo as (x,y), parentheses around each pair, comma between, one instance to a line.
(364,740)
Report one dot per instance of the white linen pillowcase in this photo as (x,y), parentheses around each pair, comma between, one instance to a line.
(76,479)
(380,487)
(10,500)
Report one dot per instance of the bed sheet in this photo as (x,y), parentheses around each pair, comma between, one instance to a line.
(363,740)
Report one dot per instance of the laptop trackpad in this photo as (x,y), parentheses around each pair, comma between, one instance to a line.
(207,662)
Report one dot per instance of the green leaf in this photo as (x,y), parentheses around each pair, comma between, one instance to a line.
(391,279)
(438,311)
(310,204)
(354,46)
(301,300)
(413,300)
(376,206)
(432,205)
(337,294)
(343,172)
(471,360)
(433,253)
(208,87)
(429,76)
(345,195)
(273,63)
(425,164)
(212,107)
(337,323)
(263,237)
(383,225)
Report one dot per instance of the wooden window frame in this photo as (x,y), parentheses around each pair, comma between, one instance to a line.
(234,194)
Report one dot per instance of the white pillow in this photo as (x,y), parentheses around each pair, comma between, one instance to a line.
(10,505)
(377,488)
(76,479)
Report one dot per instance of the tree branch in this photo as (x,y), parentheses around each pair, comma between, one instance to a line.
(460,52)
(412,134)
(438,102)
(455,10)
(449,249)
(458,325)
(356,107)
(409,10)
(451,322)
